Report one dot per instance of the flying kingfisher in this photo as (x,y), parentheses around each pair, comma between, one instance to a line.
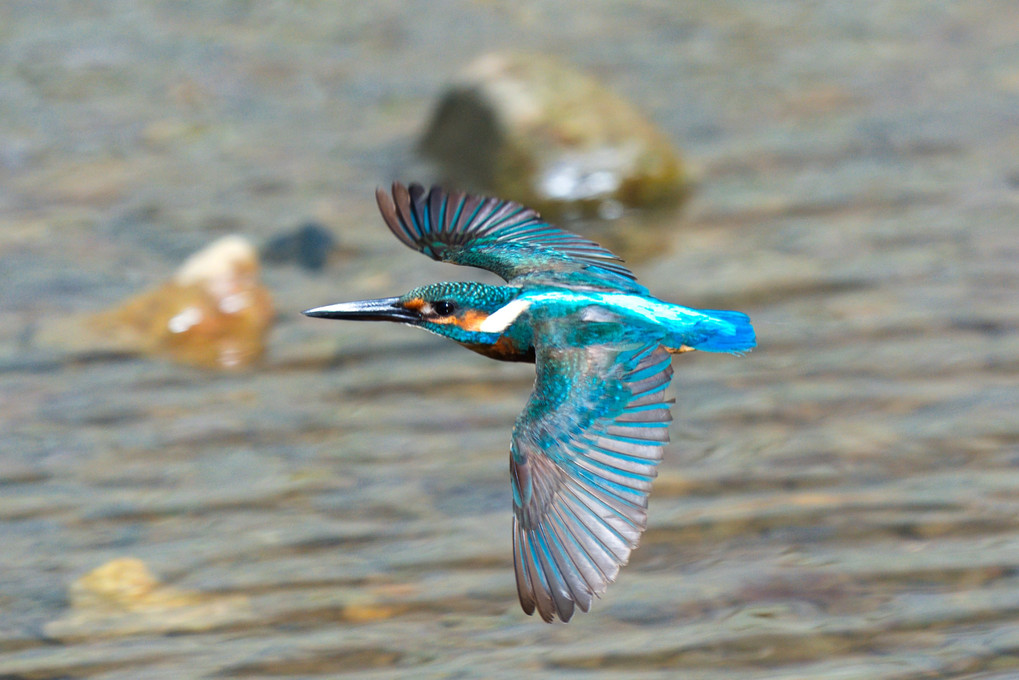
(589,440)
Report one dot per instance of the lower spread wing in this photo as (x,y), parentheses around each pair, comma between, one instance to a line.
(584,452)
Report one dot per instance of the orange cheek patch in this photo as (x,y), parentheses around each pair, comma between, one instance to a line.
(470,321)
(414,305)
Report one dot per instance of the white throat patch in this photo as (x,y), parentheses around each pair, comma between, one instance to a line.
(501,318)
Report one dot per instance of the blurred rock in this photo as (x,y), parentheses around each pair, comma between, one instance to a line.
(99,183)
(167,133)
(365,612)
(122,597)
(213,313)
(532,129)
(309,246)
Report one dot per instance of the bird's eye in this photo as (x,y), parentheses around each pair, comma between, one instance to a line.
(444,307)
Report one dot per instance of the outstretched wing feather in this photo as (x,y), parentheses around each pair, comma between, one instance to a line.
(582,465)
(501,236)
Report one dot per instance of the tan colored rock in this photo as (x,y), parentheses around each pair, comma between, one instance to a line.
(122,597)
(213,313)
(167,132)
(124,585)
(366,612)
(535,130)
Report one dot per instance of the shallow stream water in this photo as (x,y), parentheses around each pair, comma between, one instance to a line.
(841,504)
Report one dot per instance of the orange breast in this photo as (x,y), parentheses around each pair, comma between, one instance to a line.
(503,349)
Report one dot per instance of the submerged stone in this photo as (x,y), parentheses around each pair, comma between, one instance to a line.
(122,597)
(309,246)
(213,313)
(537,131)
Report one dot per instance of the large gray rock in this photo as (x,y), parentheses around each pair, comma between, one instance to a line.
(535,130)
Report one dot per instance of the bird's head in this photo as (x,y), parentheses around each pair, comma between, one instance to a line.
(455,310)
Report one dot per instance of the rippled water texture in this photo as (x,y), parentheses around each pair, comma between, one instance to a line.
(841,504)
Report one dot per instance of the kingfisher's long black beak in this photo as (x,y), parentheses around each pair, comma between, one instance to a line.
(384,309)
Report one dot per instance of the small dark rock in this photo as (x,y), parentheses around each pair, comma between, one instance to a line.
(308,246)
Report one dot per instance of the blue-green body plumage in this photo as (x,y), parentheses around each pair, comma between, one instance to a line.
(587,444)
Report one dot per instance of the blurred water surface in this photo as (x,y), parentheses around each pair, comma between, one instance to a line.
(841,504)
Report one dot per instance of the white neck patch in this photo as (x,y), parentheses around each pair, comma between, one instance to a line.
(501,318)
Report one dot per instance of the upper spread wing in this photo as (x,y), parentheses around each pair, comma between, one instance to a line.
(584,452)
(501,236)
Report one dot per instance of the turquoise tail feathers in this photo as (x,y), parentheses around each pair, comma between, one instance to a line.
(720,331)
